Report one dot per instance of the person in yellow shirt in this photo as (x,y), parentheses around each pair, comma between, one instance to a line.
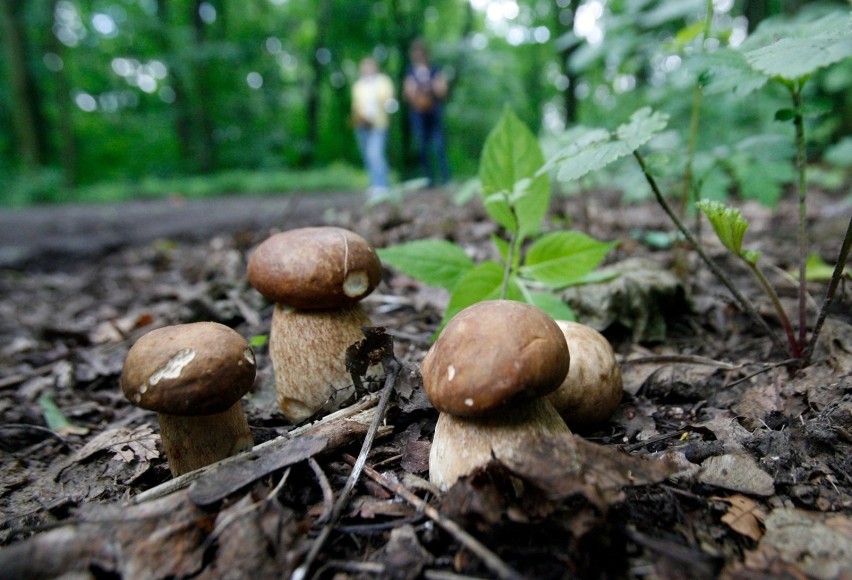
(372,103)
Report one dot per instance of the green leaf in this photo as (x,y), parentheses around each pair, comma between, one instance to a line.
(728,223)
(483,282)
(785,114)
(797,58)
(760,179)
(817,269)
(56,420)
(726,71)
(501,245)
(434,262)
(259,340)
(563,258)
(508,172)
(598,149)
(553,305)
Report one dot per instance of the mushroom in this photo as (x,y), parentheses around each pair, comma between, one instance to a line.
(487,374)
(316,277)
(593,388)
(193,376)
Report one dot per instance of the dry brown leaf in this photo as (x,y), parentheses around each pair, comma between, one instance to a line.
(565,465)
(127,444)
(744,516)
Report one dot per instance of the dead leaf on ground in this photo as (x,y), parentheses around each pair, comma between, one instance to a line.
(744,516)
(804,541)
(737,473)
(566,465)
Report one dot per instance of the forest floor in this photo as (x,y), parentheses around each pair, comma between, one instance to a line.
(719,462)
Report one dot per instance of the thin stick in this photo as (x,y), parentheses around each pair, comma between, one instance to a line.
(832,288)
(489,558)
(744,302)
(184,480)
(392,368)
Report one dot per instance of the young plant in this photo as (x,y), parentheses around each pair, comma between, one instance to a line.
(786,53)
(515,190)
(731,226)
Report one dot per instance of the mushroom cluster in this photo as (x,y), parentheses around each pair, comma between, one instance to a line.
(593,388)
(316,277)
(488,374)
(193,376)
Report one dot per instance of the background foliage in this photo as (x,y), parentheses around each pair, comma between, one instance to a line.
(104,98)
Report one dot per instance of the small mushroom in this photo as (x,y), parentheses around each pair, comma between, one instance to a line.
(593,388)
(487,374)
(193,376)
(316,278)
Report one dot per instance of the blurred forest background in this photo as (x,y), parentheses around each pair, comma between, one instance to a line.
(109,99)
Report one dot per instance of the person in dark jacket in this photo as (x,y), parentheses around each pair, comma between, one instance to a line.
(424,90)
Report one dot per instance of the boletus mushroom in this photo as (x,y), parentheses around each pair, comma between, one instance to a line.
(193,376)
(316,277)
(488,374)
(593,388)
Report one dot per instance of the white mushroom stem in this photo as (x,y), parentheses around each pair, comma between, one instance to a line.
(308,352)
(198,440)
(462,445)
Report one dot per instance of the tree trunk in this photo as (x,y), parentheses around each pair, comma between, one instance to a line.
(312,113)
(569,95)
(204,146)
(68,144)
(25,98)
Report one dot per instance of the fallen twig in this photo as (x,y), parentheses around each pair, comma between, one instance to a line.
(392,368)
(491,560)
(334,426)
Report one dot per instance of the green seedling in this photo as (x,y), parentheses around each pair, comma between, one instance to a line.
(731,226)
(533,266)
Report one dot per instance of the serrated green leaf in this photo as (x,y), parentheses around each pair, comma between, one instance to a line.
(796,58)
(599,152)
(563,258)
(726,71)
(553,305)
(727,222)
(761,179)
(483,282)
(750,256)
(508,170)
(434,262)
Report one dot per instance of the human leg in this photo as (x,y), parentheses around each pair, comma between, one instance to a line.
(376,156)
(419,131)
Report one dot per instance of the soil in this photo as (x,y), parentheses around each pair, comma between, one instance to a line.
(720,461)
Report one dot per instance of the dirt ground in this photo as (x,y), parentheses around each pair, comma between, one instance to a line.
(719,462)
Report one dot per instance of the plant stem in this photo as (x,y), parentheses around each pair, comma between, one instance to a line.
(507,272)
(743,302)
(801,166)
(695,117)
(795,346)
(514,247)
(832,288)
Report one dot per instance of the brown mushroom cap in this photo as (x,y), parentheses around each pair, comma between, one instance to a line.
(315,268)
(188,369)
(492,353)
(593,389)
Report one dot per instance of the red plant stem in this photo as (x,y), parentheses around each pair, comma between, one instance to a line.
(801,163)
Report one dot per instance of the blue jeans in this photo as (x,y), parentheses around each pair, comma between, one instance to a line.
(428,130)
(372,143)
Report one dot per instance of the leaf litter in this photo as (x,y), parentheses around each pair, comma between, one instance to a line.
(733,469)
